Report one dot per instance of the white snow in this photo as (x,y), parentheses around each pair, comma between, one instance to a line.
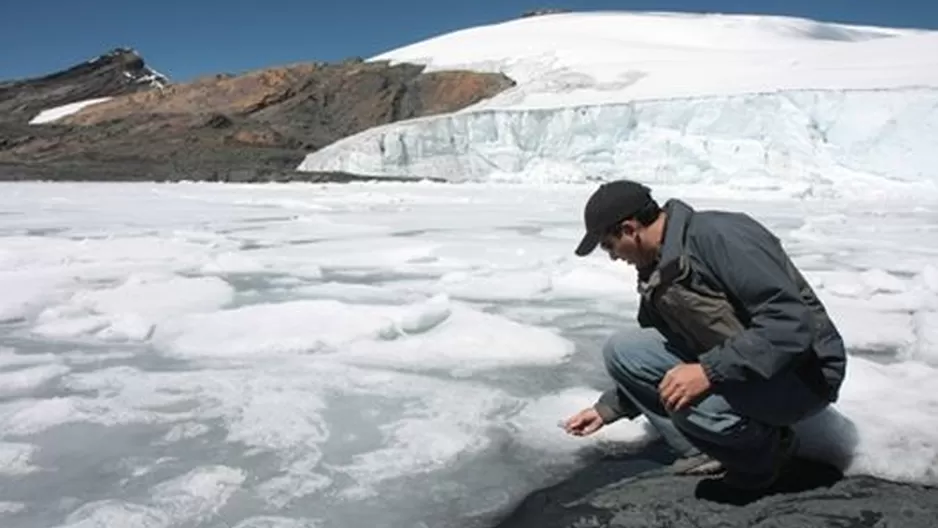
(50,115)
(751,103)
(581,59)
(424,366)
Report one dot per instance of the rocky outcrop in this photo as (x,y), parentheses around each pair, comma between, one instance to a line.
(544,11)
(118,72)
(809,495)
(220,127)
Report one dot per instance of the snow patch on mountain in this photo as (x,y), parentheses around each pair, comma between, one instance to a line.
(51,115)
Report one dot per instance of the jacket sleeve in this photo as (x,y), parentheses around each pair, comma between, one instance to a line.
(614,405)
(751,265)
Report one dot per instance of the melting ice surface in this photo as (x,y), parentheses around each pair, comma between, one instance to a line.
(380,354)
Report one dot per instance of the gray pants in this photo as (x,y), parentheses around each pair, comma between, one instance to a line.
(740,426)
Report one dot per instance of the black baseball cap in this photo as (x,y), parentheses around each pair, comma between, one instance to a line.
(609,205)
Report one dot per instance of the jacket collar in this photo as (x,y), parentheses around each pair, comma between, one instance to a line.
(672,246)
(668,264)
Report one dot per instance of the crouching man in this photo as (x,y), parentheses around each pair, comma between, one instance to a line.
(748,350)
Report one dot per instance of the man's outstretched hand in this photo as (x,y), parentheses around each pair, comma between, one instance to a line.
(583,423)
(683,385)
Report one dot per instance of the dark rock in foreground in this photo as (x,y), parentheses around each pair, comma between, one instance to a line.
(810,495)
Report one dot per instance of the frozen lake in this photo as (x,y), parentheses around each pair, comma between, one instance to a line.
(378,355)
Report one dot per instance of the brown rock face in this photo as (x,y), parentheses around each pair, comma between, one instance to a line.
(118,72)
(220,94)
(259,122)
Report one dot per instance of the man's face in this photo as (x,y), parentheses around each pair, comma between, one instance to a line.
(624,243)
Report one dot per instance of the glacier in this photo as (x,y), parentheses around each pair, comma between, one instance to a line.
(733,102)
(863,141)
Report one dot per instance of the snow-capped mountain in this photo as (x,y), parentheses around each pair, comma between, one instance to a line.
(753,101)
(46,99)
(134,69)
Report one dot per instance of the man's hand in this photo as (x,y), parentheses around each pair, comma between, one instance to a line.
(683,385)
(583,423)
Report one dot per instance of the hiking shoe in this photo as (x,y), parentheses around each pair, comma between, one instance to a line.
(701,464)
(784,451)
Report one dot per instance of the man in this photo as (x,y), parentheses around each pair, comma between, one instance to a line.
(748,348)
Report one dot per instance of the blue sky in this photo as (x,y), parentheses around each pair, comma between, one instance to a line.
(185,39)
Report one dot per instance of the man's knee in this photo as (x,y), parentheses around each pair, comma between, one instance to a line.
(710,418)
(627,355)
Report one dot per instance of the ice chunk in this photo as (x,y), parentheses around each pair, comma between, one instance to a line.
(295,327)
(467,341)
(129,311)
(193,498)
(26,417)
(25,293)
(427,335)
(52,327)
(15,458)
(296,481)
(126,327)
(420,318)
(597,281)
(196,496)
(185,431)
(277,522)
(929,278)
(496,286)
(353,293)
(862,285)
(926,332)
(280,260)
(9,358)
(115,513)
(25,380)
(157,297)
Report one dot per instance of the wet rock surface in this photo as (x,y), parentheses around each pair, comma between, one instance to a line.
(809,495)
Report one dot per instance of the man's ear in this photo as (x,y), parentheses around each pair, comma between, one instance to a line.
(629,227)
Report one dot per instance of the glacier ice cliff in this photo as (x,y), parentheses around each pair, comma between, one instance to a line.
(794,140)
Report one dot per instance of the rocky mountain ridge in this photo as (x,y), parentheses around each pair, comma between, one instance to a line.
(118,72)
(256,126)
